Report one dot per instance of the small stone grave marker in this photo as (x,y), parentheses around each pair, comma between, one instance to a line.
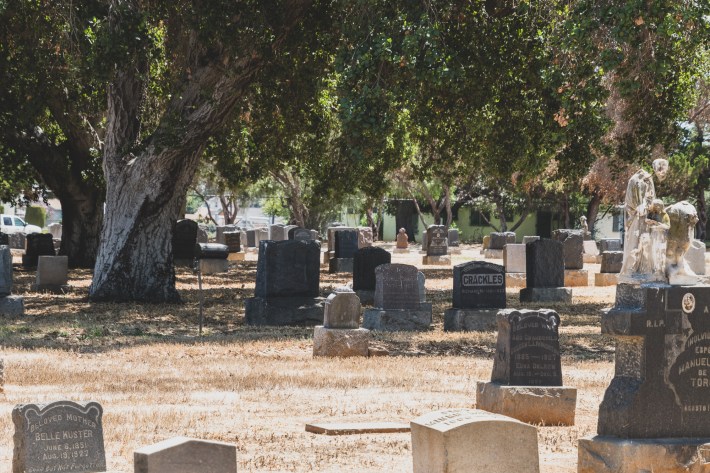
(62,436)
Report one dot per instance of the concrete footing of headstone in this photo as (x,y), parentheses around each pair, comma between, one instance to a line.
(606,279)
(341,342)
(213,266)
(440,260)
(515,279)
(576,278)
(601,454)
(466,440)
(459,320)
(282,311)
(395,320)
(492,254)
(546,294)
(548,405)
(340,265)
(12,306)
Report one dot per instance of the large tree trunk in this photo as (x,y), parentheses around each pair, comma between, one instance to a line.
(143,203)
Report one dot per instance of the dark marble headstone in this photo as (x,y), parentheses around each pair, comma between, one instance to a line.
(545,264)
(62,436)
(233,240)
(528,348)
(251,238)
(288,268)
(661,387)
(437,240)
(479,285)
(397,287)
(612,261)
(38,244)
(453,237)
(184,239)
(364,264)
(609,244)
(500,239)
(345,243)
(573,241)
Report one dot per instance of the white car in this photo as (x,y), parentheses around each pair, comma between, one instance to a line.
(13,224)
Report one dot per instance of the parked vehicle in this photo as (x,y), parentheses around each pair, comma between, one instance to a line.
(13,224)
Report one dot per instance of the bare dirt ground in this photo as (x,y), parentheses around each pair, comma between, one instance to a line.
(257,387)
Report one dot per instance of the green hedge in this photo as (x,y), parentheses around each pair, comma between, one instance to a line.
(36,216)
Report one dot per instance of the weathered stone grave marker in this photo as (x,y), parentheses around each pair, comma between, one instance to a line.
(472,440)
(61,436)
(340,334)
(526,382)
(399,300)
(479,292)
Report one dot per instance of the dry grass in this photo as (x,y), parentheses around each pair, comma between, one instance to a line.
(257,387)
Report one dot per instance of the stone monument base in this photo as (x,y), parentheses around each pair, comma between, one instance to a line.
(283,311)
(549,405)
(236,256)
(606,279)
(515,279)
(492,254)
(576,277)
(341,342)
(546,294)
(594,259)
(616,455)
(341,265)
(367,297)
(443,259)
(460,320)
(400,250)
(395,320)
(213,266)
(11,306)
(52,288)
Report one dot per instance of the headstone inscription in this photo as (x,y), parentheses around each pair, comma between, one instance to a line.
(479,292)
(184,240)
(662,375)
(61,436)
(38,244)
(287,282)
(442,442)
(528,348)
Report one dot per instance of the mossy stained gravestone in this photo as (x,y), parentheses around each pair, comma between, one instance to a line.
(63,436)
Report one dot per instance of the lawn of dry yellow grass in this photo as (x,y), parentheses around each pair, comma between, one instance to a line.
(258,387)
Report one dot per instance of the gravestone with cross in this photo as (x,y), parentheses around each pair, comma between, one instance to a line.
(661,387)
